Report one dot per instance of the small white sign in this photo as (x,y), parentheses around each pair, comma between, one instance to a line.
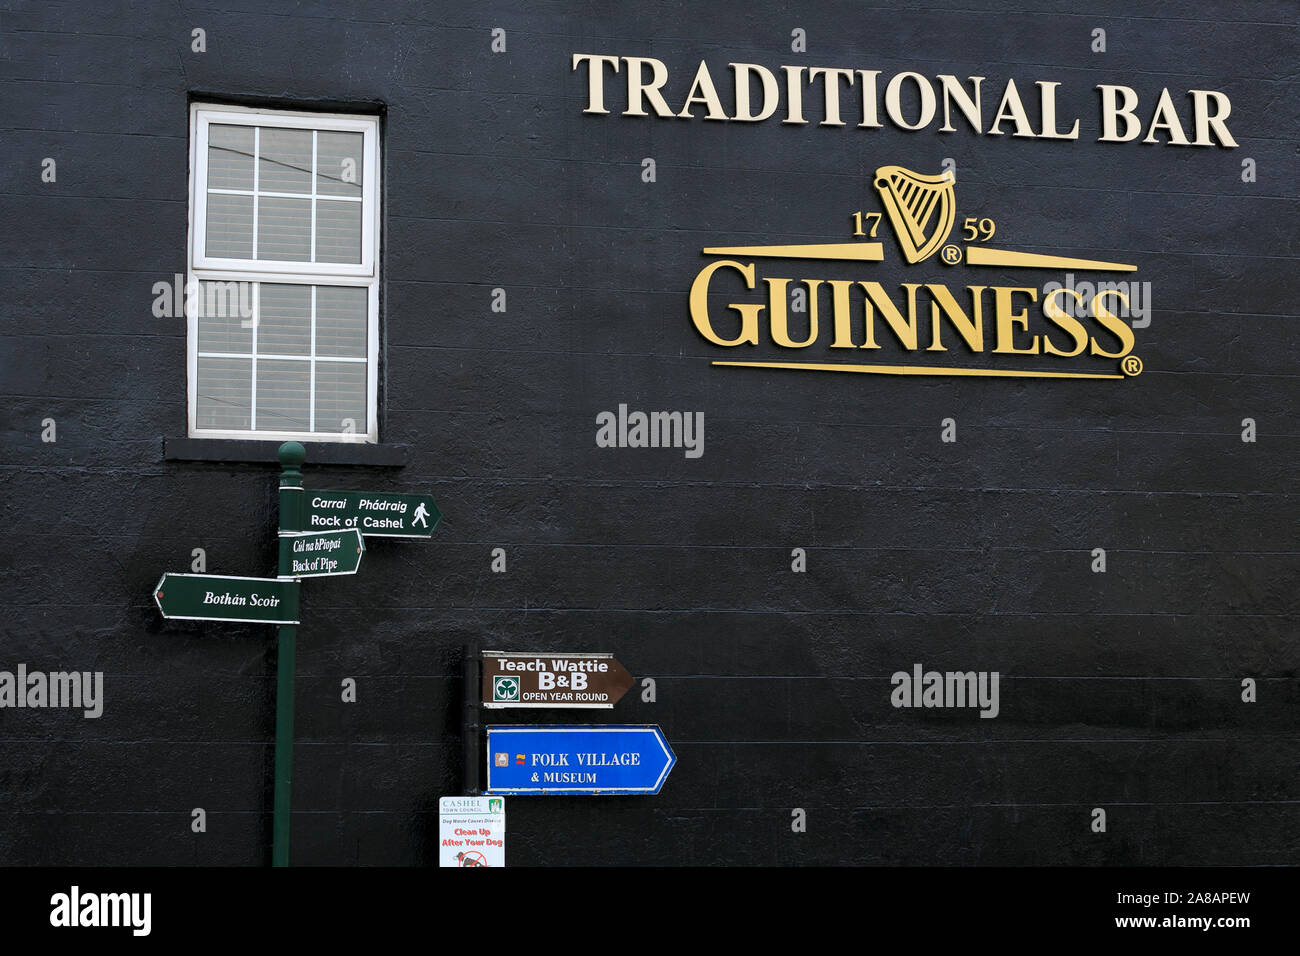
(472,831)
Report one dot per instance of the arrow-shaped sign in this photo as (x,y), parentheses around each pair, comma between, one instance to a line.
(592,759)
(318,554)
(376,514)
(217,597)
(519,679)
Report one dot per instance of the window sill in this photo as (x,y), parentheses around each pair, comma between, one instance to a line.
(318,453)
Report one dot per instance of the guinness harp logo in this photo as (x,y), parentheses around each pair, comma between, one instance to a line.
(921,208)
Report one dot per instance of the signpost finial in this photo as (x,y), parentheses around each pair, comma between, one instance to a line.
(292,455)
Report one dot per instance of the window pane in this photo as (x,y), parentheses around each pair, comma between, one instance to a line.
(304,367)
(339,163)
(341,321)
(225,312)
(284,162)
(284,325)
(340,396)
(284,229)
(230,157)
(230,227)
(282,395)
(338,231)
(224,393)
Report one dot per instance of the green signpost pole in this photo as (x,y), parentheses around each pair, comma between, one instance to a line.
(292,456)
(333,544)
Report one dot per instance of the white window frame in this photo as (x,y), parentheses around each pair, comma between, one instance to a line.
(201,267)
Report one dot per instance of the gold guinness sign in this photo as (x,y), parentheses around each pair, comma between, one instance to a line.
(1070,319)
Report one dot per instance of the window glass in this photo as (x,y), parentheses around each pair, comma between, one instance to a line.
(282,319)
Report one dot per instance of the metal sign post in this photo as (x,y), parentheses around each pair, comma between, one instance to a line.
(292,455)
(334,545)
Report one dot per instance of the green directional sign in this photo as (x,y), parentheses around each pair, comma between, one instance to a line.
(376,514)
(318,554)
(216,597)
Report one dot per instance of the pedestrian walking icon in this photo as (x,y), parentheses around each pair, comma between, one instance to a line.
(421,516)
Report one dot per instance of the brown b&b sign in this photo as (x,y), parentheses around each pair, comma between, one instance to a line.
(512,679)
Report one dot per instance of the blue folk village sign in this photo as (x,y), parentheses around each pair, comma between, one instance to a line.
(574,760)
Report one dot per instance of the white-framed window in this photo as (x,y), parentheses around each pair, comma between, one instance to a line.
(282,302)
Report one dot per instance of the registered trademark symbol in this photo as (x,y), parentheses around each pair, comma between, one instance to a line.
(951,254)
(1132,365)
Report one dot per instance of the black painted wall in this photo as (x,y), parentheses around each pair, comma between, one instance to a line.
(1119,691)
